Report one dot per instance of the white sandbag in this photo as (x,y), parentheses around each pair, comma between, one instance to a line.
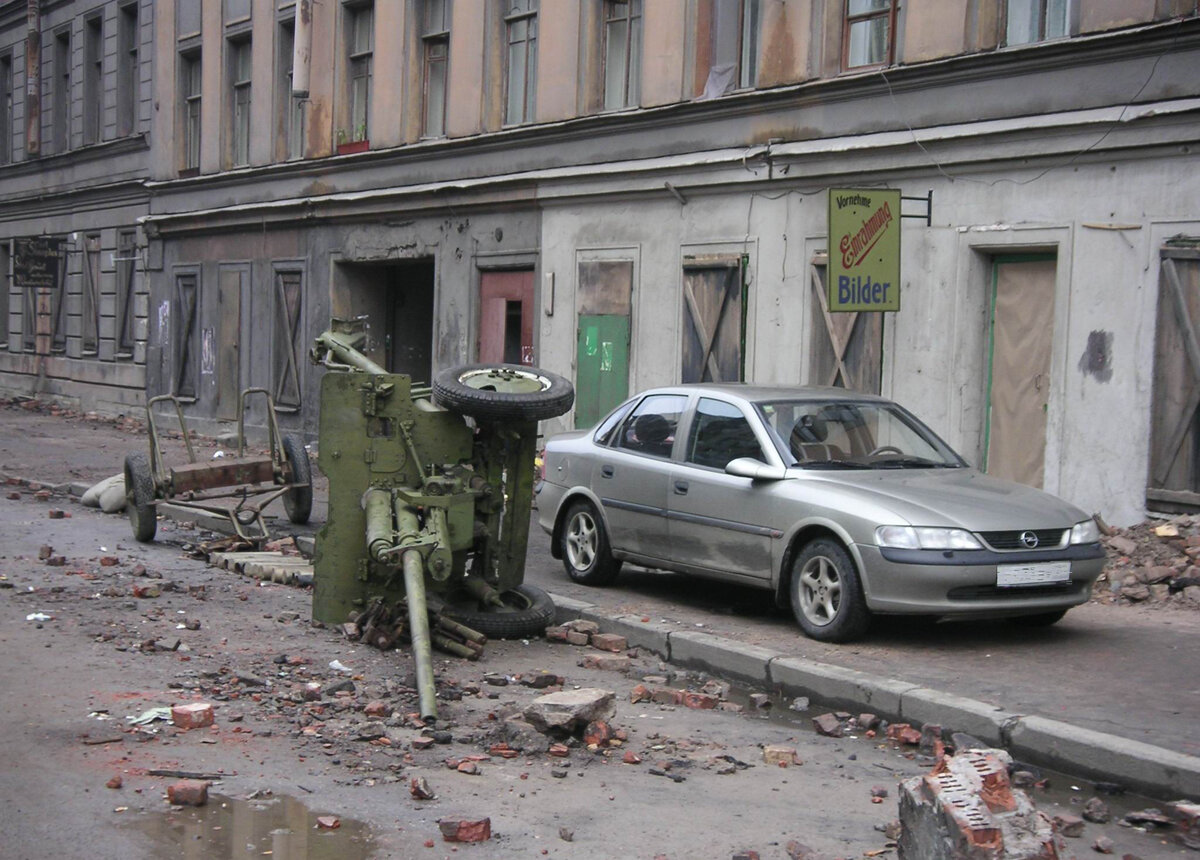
(91,498)
(112,500)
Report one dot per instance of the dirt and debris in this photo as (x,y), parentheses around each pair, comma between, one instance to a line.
(1154,563)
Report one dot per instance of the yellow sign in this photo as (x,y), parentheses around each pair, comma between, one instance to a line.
(864,249)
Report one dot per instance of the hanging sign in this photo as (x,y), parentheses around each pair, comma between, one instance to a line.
(36,262)
(864,249)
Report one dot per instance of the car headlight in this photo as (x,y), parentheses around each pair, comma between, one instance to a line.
(1085,532)
(924,537)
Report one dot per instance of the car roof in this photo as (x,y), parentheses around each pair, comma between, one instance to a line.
(760,393)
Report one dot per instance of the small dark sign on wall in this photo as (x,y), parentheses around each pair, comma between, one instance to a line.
(37,262)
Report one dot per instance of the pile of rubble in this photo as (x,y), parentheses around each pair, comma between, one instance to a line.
(1156,562)
(122,422)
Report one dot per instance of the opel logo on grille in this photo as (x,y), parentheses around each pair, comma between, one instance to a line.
(1029,540)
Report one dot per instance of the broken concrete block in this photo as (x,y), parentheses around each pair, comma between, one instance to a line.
(1068,825)
(188,792)
(196,715)
(1096,810)
(965,807)
(521,735)
(569,710)
(460,829)
(580,626)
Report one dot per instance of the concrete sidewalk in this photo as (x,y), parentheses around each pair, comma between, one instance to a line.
(73,453)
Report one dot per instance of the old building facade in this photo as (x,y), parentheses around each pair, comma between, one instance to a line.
(629,193)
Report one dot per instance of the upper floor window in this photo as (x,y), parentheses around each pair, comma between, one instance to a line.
(237,10)
(6,109)
(622,53)
(361,54)
(189,92)
(187,18)
(93,78)
(735,41)
(520,23)
(239,96)
(435,41)
(128,69)
(291,122)
(61,104)
(1035,21)
(870,32)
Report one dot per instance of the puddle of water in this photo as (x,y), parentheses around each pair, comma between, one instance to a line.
(279,827)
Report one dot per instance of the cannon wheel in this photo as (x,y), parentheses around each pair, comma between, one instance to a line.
(139,497)
(503,392)
(527,612)
(297,501)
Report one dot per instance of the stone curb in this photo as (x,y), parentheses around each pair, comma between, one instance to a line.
(1037,740)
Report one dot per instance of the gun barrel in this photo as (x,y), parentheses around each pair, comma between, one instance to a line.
(342,348)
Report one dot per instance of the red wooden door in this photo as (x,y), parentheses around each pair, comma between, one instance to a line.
(506,317)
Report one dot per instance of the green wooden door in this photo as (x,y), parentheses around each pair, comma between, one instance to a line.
(602,374)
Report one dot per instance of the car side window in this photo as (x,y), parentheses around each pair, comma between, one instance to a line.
(606,432)
(720,433)
(650,428)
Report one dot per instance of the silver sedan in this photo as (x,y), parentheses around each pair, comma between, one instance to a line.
(843,505)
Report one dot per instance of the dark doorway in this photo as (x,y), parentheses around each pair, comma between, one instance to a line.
(396,297)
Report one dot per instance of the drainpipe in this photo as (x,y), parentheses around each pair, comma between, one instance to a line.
(301,48)
(33,78)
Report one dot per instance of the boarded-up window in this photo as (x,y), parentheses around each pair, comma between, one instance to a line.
(126,264)
(714,320)
(89,304)
(844,349)
(286,339)
(186,334)
(1174,480)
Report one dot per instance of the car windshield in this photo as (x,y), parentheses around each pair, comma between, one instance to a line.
(840,434)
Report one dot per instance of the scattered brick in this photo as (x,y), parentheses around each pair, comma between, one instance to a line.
(42,495)
(700,701)
(1103,845)
(109,561)
(419,788)
(146,592)
(574,637)
(904,733)
(421,743)
(631,757)
(57,561)
(1068,825)
(542,680)
(14,497)
(115,782)
(587,628)
(640,693)
(828,725)
(556,634)
(597,734)
(745,855)
(666,696)
(188,792)
(377,709)
(605,662)
(1096,811)
(458,829)
(328,822)
(609,642)
(45,551)
(559,750)
(56,514)
(780,755)
(196,715)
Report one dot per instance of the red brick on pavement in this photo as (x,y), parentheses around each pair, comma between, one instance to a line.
(188,792)
(459,829)
(196,715)
(609,642)
(904,733)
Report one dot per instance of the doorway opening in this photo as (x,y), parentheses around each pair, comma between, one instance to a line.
(397,299)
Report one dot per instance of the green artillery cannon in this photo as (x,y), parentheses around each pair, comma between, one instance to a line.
(424,509)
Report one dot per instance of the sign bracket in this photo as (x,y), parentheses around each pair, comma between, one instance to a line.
(927,215)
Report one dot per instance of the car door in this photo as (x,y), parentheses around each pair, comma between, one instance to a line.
(720,524)
(631,476)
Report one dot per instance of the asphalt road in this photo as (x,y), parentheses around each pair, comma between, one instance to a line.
(1129,671)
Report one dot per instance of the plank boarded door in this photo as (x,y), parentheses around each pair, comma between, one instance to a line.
(844,349)
(1174,481)
(231,285)
(714,322)
(506,317)
(602,353)
(1021,333)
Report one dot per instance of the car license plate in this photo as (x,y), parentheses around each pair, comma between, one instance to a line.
(1008,575)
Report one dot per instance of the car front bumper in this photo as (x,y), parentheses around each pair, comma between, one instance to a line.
(929,582)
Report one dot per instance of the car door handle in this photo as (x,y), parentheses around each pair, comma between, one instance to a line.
(606,471)
(681,488)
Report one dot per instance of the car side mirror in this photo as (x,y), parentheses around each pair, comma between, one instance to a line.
(755,470)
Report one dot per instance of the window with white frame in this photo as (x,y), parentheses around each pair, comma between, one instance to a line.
(622,53)
(435,44)
(520,25)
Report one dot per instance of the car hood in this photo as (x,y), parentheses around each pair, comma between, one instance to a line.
(963,498)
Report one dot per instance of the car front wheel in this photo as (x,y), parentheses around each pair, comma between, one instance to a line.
(585,549)
(827,597)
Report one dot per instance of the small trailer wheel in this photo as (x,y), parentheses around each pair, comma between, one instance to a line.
(139,497)
(297,501)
